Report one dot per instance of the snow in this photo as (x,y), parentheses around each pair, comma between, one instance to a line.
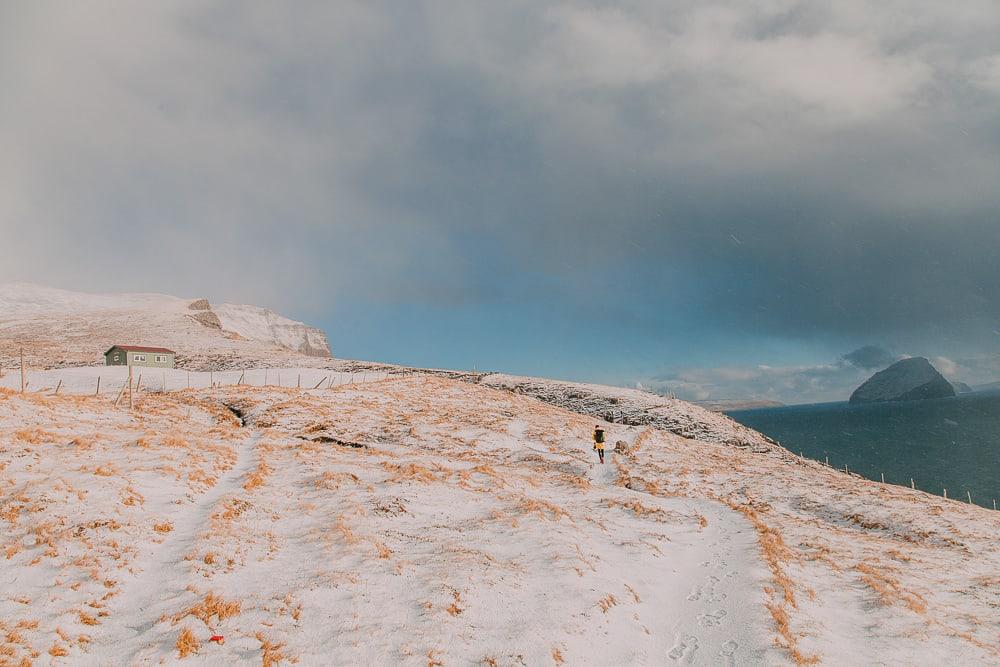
(419,519)
(60,328)
(20,299)
(255,323)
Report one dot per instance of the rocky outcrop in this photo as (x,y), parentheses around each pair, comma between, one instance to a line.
(200,304)
(911,379)
(207,318)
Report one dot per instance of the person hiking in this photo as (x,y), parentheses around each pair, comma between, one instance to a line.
(599,442)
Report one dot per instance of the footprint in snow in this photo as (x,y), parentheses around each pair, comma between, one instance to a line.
(727,652)
(685,649)
(729,648)
(711,620)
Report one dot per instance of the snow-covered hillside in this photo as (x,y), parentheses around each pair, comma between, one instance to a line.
(64,328)
(428,520)
(253,323)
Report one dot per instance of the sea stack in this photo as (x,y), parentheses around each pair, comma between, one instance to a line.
(911,379)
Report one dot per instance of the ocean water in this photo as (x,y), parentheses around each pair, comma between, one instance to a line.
(947,443)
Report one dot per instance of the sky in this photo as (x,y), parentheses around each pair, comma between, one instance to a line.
(716,199)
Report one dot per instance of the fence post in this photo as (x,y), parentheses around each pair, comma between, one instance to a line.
(97,392)
(130,386)
(22,371)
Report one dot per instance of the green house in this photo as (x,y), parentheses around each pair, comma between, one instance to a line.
(138,355)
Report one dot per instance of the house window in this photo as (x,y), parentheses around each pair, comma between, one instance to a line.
(117,357)
(140,357)
(160,358)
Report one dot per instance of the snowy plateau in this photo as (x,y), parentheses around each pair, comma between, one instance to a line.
(266,503)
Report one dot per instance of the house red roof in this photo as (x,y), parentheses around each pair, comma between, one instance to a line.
(141,348)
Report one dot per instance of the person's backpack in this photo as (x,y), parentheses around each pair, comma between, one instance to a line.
(598,436)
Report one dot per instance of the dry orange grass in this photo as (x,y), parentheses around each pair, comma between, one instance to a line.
(888,588)
(105,470)
(132,497)
(637,508)
(82,443)
(164,527)
(788,639)
(607,602)
(576,481)
(332,480)
(35,436)
(345,530)
(58,651)
(211,606)
(776,553)
(10,513)
(175,442)
(384,552)
(453,608)
(256,478)
(187,643)
(409,472)
(271,653)
(234,508)
(543,508)
(87,619)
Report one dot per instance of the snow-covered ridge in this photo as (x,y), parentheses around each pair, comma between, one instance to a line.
(254,323)
(67,328)
(20,299)
(637,408)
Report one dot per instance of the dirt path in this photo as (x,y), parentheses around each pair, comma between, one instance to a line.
(164,572)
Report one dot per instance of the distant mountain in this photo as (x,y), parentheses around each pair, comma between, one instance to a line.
(991,386)
(961,387)
(60,328)
(907,380)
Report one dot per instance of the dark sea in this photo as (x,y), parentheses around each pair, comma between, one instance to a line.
(946,443)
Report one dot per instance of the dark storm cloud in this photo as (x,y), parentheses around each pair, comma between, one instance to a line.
(869,357)
(774,168)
